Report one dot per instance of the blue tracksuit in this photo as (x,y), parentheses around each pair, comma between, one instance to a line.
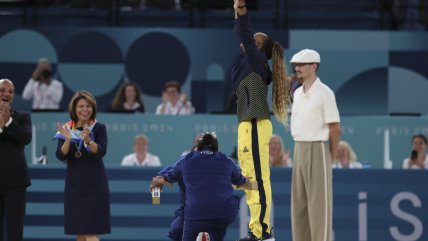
(210,205)
(176,227)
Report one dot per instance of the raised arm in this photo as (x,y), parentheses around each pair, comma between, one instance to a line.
(245,33)
(167,175)
(240,8)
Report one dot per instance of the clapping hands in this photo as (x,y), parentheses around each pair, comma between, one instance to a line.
(85,134)
(4,113)
(63,130)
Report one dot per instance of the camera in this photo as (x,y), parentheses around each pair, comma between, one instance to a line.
(414,155)
(46,74)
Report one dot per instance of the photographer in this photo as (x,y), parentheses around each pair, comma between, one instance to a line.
(418,158)
(45,91)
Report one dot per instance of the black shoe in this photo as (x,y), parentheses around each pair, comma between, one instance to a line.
(250,237)
(268,237)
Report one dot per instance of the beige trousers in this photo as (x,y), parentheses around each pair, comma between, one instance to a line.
(311,192)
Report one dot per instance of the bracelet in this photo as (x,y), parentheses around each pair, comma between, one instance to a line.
(242,6)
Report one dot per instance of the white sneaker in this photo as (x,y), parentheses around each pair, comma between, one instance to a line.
(203,236)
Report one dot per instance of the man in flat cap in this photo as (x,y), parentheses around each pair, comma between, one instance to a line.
(314,121)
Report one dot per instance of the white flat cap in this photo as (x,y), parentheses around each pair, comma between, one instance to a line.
(306,56)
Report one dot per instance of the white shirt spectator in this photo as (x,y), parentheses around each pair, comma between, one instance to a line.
(178,109)
(44,96)
(149,161)
(406,164)
(352,165)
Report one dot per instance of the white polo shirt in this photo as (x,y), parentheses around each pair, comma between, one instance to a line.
(312,111)
(149,161)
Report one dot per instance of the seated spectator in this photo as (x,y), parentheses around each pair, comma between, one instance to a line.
(174,102)
(128,98)
(45,91)
(418,158)
(141,156)
(278,156)
(345,157)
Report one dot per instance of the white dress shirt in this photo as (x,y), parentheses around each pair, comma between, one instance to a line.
(312,111)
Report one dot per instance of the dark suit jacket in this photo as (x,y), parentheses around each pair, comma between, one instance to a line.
(13,166)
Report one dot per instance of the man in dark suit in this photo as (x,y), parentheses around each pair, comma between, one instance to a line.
(15,133)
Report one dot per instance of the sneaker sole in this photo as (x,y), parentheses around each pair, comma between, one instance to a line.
(269,239)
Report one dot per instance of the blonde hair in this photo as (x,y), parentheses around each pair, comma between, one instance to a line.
(352,155)
(141,137)
(278,159)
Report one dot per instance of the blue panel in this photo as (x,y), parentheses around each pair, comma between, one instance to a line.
(156,58)
(364,94)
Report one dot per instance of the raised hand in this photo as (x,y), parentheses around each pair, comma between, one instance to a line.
(2,122)
(85,134)
(62,129)
(238,3)
(4,113)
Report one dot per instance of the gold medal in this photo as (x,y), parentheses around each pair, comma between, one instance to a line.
(78,153)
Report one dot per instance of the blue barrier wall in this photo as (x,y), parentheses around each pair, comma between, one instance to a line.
(371,72)
(170,136)
(368,205)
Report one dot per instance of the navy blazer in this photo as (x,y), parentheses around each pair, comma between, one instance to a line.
(13,139)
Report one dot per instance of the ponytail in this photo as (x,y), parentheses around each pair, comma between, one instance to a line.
(281,94)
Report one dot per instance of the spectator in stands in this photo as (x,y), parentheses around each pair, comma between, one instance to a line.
(174,102)
(410,14)
(128,98)
(345,157)
(15,134)
(210,204)
(82,144)
(278,156)
(251,78)
(45,91)
(141,156)
(418,158)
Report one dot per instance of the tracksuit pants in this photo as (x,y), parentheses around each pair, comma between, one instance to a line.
(253,155)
